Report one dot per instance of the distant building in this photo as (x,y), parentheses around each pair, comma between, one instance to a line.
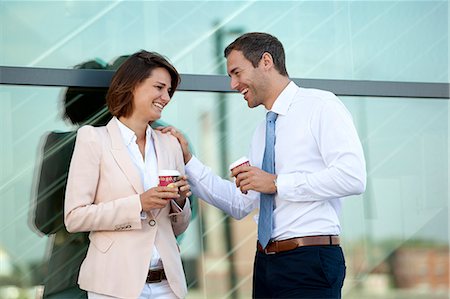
(421,268)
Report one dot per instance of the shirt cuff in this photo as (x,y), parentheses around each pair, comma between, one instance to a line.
(289,185)
(194,167)
(175,207)
(143,215)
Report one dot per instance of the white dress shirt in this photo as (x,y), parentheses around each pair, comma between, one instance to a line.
(147,167)
(318,160)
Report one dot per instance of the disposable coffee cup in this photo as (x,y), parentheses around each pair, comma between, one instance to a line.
(243,161)
(167,177)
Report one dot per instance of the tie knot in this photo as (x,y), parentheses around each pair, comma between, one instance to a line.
(271,116)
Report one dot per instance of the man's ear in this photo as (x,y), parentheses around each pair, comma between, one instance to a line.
(267,60)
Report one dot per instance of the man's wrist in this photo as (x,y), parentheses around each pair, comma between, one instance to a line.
(275,184)
(187,158)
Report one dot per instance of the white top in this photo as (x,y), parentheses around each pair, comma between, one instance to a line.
(318,160)
(147,167)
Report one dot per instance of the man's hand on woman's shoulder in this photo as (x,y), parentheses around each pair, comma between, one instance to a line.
(181,139)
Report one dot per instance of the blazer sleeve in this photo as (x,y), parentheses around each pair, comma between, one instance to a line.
(82,212)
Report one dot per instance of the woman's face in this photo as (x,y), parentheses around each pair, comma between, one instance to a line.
(152,95)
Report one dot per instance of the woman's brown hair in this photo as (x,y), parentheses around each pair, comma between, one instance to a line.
(130,74)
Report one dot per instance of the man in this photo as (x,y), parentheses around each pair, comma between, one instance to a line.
(304,160)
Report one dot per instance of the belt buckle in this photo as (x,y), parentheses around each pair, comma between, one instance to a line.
(157,279)
(269,252)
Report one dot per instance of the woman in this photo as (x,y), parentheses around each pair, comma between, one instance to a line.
(112,189)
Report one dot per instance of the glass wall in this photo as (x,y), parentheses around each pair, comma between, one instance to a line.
(369,40)
(396,235)
(400,222)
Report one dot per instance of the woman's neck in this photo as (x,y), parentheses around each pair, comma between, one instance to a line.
(139,128)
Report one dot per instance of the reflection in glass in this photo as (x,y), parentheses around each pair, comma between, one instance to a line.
(82,106)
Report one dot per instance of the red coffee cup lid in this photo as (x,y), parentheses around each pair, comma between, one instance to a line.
(169,172)
(238,162)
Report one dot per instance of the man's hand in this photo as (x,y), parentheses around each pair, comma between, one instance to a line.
(253,178)
(158,197)
(181,139)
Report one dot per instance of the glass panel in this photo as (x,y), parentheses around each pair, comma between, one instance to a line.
(370,40)
(27,114)
(396,235)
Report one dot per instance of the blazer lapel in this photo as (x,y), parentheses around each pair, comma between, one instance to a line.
(161,159)
(120,154)
(161,153)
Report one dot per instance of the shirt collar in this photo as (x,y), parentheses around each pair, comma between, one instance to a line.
(284,100)
(128,135)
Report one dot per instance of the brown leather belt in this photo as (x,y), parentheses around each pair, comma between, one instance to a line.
(155,275)
(290,244)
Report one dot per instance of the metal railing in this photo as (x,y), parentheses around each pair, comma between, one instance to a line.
(33,76)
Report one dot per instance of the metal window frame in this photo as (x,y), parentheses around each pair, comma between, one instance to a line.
(33,76)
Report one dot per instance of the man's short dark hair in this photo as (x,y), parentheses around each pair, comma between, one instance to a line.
(136,69)
(254,44)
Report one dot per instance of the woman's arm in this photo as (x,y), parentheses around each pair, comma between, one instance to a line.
(81,213)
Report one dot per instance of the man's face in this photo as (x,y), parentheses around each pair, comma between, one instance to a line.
(245,78)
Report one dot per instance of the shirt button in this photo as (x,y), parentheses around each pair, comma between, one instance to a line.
(152,222)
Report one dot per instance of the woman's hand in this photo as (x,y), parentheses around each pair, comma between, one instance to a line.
(184,190)
(181,139)
(158,197)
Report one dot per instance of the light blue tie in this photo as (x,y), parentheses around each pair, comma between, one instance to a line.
(267,200)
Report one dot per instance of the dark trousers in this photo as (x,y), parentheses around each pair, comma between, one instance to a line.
(305,272)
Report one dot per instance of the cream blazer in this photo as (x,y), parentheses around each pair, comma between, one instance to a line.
(102,197)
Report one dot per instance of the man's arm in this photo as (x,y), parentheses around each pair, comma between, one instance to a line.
(210,187)
(218,192)
(340,148)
